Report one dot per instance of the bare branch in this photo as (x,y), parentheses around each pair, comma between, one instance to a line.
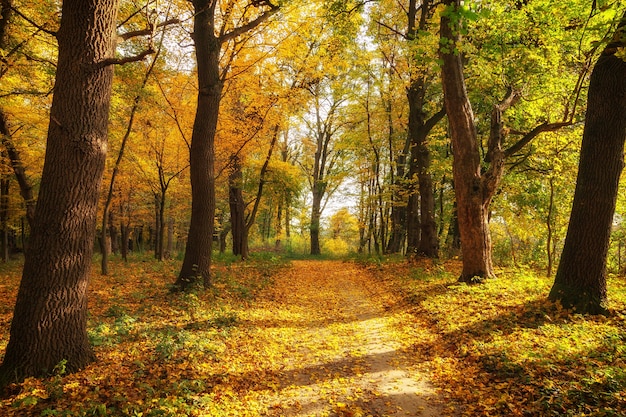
(147,31)
(397,32)
(32,22)
(251,25)
(122,61)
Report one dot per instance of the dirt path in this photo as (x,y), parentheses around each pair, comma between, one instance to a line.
(341,354)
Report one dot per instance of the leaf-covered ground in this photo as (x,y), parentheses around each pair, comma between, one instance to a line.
(331,338)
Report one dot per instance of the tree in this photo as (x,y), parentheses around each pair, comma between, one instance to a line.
(476,181)
(208,40)
(422,238)
(580,281)
(50,316)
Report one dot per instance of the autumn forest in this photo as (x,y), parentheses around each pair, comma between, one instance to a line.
(324,208)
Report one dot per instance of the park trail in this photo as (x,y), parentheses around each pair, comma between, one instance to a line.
(341,351)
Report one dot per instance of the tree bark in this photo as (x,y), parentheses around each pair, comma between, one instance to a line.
(472,212)
(26,188)
(237,208)
(5,184)
(314,229)
(580,281)
(197,262)
(422,238)
(50,317)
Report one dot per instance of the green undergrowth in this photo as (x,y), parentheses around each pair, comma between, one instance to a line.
(501,348)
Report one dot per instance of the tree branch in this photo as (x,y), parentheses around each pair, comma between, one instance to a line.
(544,127)
(251,25)
(395,31)
(147,31)
(29,20)
(122,61)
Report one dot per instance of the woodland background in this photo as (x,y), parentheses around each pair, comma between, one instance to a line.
(329,77)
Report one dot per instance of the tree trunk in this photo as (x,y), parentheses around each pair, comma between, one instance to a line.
(115,247)
(50,317)
(197,262)
(398,209)
(237,208)
(315,218)
(26,188)
(422,238)
(472,210)
(161,232)
(4,216)
(124,232)
(170,238)
(416,119)
(580,281)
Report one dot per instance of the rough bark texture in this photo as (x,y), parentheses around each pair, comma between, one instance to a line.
(49,323)
(197,262)
(472,211)
(580,281)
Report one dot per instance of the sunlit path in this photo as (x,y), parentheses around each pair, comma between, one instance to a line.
(340,354)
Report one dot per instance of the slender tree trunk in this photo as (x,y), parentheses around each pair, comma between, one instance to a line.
(398,216)
(237,207)
(549,225)
(314,229)
(104,268)
(170,238)
(580,281)
(115,247)
(197,262)
(161,232)
(124,232)
(4,216)
(26,188)
(158,227)
(50,317)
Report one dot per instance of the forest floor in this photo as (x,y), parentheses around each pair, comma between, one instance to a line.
(330,338)
(343,351)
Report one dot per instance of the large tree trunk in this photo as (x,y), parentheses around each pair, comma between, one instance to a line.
(580,281)
(197,262)
(472,209)
(50,317)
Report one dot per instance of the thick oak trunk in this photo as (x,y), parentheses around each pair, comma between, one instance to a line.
(49,322)
(197,262)
(580,281)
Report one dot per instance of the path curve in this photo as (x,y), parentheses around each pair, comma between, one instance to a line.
(342,355)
